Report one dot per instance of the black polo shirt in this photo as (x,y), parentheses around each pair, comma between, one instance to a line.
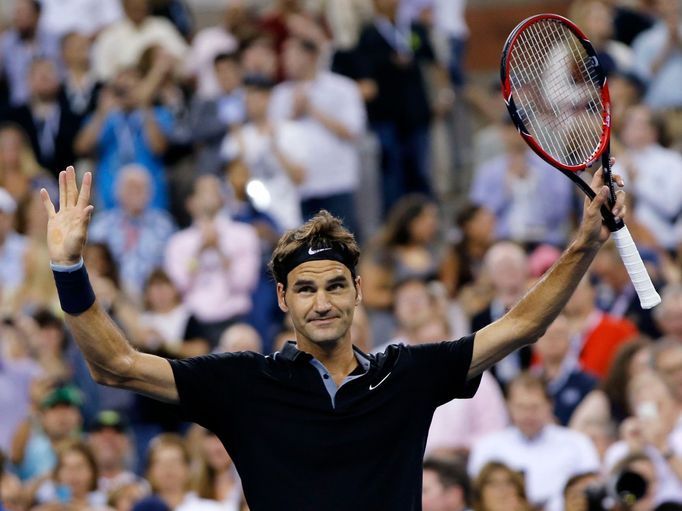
(296,451)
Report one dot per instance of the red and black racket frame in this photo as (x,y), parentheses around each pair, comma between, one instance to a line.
(602,151)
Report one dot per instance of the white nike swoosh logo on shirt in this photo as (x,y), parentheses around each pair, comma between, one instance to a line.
(313,252)
(372,387)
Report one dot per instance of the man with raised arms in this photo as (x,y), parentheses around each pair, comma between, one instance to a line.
(319,425)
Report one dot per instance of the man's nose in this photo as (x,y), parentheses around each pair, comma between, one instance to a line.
(322,301)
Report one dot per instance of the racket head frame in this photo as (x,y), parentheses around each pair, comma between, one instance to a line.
(602,150)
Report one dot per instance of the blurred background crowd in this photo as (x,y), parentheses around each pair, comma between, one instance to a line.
(212,127)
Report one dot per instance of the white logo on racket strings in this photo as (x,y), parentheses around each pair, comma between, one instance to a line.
(313,252)
(372,387)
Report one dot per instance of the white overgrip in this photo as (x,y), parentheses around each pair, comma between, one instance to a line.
(648,297)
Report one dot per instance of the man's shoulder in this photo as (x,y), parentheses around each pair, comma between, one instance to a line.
(236,227)
(337,81)
(216,361)
(562,435)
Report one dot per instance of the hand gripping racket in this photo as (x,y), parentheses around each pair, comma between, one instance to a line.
(557,96)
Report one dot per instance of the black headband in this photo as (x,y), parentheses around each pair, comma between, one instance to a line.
(306,253)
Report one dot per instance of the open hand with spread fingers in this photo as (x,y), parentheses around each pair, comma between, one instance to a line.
(67,228)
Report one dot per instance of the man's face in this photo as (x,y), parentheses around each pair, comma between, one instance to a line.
(168,469)
(228,74)
(638,131)
(669,366)
(207,197)
(433,492)
(554,344)
(297,61)
(670,322)
(412,305)
(43,80)
(25,16)
(134,193)
(136,10)
(529,409)
(321,299)
(76,49)
(109,446)
(61,421)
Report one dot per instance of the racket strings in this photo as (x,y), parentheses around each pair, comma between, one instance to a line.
(562,110)
(557,91)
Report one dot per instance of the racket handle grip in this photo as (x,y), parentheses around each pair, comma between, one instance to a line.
(648,297)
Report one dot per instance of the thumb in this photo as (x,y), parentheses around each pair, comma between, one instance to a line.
(600,199)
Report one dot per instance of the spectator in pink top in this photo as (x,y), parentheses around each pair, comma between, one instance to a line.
(214,262)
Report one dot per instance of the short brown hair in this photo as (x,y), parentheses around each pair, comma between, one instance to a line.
(323,229)
(484,476)
(80,447)
(529,381)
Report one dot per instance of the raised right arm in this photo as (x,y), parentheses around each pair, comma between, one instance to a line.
(114,362)
(110,357)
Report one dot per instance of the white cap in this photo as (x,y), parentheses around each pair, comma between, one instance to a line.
(7,203)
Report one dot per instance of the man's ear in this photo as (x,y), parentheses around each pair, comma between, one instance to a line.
(358,290)
(281,300)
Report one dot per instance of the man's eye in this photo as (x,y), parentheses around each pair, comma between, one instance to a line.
(305,289)
(336,286)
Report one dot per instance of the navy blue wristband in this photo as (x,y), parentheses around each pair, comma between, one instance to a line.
(74,290)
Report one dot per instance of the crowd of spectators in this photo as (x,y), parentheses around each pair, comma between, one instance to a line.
(206,144)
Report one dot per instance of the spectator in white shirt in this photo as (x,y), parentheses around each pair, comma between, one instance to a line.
(86,17)
(121,45)
(331,112)
(266,155)
(547,454)
(655,176)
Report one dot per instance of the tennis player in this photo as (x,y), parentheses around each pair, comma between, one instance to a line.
(318,426)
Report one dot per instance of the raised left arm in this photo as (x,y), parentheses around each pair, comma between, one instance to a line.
(531,316)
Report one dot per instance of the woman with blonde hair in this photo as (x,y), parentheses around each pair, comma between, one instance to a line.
(73,484)
(215,476)
(168,472)
(499,488)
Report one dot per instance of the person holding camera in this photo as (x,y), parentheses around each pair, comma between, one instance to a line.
(654,429)
(126,128)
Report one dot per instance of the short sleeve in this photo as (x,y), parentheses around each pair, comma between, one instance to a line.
(210,387)
(443,368)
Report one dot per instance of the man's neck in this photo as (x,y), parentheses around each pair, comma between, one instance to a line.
(552,368)
(110,472)
(43,107)
(27,35)
(338,357)
(172,497)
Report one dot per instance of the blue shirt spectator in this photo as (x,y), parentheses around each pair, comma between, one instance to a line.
(531,201)
(135,232)
(126,129)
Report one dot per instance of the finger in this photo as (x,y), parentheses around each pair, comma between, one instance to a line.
(47,202)
(618,179)
(619,209)
(86,186)
(71,186)
(597,180)
(62,189)
(601,198)
(88,213)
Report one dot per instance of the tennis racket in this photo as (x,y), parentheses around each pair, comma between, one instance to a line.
(558,98)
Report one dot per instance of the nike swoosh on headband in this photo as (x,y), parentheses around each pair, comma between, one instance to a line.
(313,252)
